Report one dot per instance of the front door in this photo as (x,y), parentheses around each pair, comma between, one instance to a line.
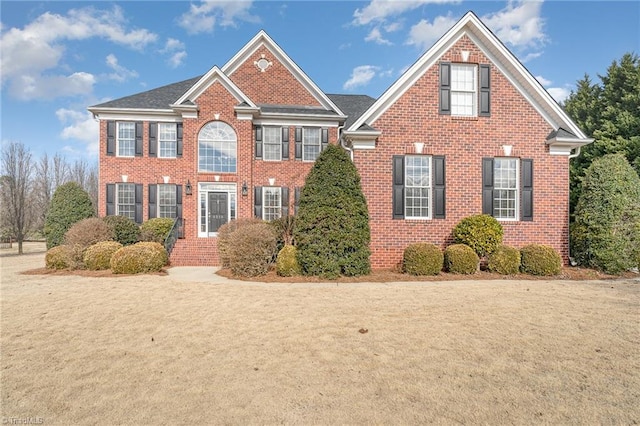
(218,210)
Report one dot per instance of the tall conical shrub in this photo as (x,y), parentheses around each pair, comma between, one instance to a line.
(70,204)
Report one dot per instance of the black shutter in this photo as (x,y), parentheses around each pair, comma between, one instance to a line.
(285,143)
(527,190)
(153,210)
(296,199)
(487,186)
(111,199)
(111,138)
(179,140)
(325,139)
(439,204)
(485,91)
(153,140)
(138,203)
(179,201)
(398,186)
(298,143)
(257,201)
(445,88)
(285,201)
(138,138)
(258,132)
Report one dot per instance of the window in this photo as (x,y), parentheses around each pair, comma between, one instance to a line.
(272,144)
(167,140)
(417,184)
(217,148)
(505,188)
(463,90)
(126,139)
(167,202)
(271,203)
(126,200)
(310,143)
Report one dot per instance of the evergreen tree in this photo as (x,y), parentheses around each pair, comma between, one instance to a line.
(70,204)
(332,224)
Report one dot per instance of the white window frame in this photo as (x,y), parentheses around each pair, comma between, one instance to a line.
(277,141)
(428,187)
(271,212)
(456,89)
(218,136)
(203,209)
(173,142)
(120,139)
(133,199)
(497,187)
(306,144)
(171,189)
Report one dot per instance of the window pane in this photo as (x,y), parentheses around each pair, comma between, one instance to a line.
(463,90)
(272,143)
(167,201)
(126,139)
(310,144)
(217,146)
(126,200)
(505,175)
(271,203)
(167,140)
(417,186)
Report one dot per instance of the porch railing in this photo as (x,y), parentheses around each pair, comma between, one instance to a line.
(174,234)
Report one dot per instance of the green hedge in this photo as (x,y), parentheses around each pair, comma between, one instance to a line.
(422,259)
(461,259)
(483,233)
(538,259)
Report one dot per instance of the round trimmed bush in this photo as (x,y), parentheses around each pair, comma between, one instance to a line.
(69,204)
(225,241)
(538,259)
(422,259)
(253,249)
(505,260)
(139,258)
(98,256)
(286,263)
(461,259)
(156,229)
(125,230)
(87,232)
(482,232)
(64,257)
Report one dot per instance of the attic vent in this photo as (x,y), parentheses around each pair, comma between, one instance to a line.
(262,64)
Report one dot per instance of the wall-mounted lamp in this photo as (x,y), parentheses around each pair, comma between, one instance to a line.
(187,188)
(245,189)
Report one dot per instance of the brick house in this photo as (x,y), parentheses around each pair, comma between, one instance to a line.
(465,130)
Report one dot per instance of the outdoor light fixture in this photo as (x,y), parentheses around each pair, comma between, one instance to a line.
(187,187)
(245,189)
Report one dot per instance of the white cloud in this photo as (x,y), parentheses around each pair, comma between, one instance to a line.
(425,33)
(177,59)
(203,17)
(360,76)
(530,56)
(559,93)
(176,51)
(30,52)
(393,26)
(80,125)
(518,24)
(380,10)
(120,73)
(377,37)
(543,80)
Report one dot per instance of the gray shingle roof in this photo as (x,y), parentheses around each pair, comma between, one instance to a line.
(352,105)
(159,98)
(561,133)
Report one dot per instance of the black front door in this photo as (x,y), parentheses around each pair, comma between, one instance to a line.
(218,210)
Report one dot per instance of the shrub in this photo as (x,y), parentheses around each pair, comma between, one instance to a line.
(286,263)
(461,259)
(483,233)
(225,240)
(606,232)
(505,260)
(283,228)
(422,259)
(156,229)
(64,257)
(538,259)
(125,230)
(331,228)
(139,258)
(98,256)
(253,249)
(70,204)
(87,232)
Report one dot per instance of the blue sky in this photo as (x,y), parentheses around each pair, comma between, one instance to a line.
(58,58)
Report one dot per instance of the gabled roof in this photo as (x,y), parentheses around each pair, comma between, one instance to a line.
(214,75)
(263,39)
(499,55)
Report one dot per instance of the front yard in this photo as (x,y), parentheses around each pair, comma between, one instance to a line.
(153,349)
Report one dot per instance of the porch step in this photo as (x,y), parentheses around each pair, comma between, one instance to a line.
(195,252)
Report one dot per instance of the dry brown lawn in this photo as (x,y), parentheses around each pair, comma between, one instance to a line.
(159,350)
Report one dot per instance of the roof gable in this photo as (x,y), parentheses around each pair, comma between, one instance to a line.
(471,26)
(214,75)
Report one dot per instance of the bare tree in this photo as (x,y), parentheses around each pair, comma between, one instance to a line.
(86,175)
(17,171)
(50,173)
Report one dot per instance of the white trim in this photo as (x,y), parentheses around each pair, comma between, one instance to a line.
(564,146)
(136,115)
(117,139)
(286,121)
(430,187)
(206,187)
(518,189)
(212,76)
(264,189)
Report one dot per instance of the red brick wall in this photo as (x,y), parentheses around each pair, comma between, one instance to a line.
(464,142)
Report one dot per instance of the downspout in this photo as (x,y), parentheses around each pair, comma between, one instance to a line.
(343,143)
(575,154)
